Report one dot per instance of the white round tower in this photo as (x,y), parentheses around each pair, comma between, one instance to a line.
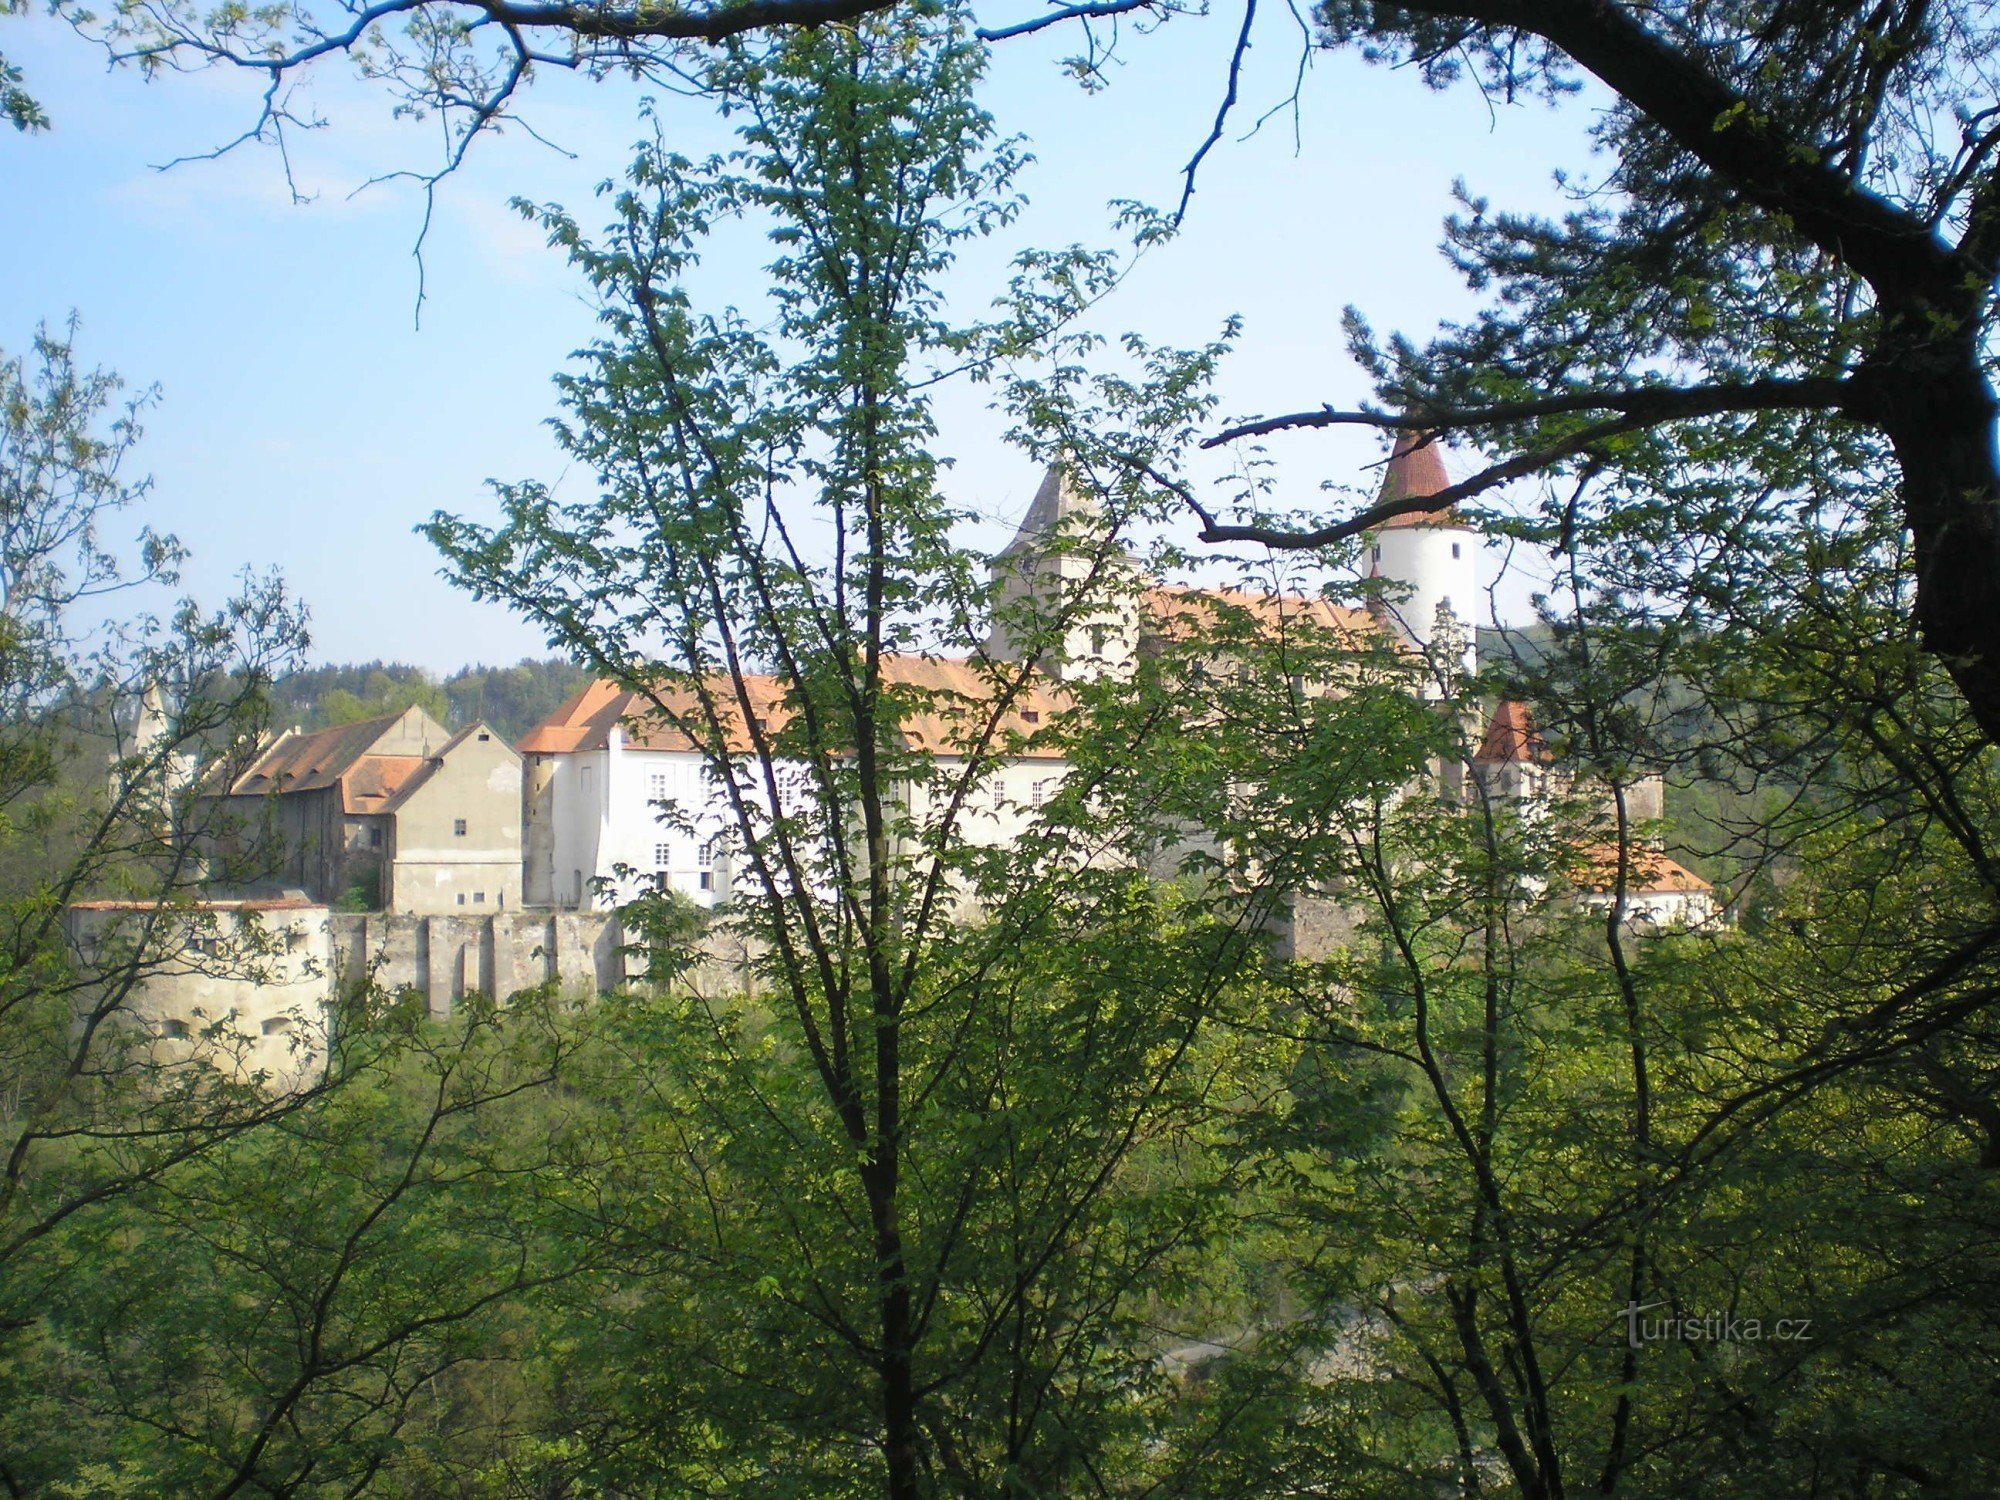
(1429,559)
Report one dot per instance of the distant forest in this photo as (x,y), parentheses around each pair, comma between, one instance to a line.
(512,699)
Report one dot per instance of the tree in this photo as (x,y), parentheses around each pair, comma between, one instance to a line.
(308,1306)
(103,706)
(890,1184)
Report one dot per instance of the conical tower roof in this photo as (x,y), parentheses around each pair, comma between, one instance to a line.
(1056,509)
(1416,469)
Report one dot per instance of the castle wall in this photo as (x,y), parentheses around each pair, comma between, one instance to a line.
(242,985)
(446,958)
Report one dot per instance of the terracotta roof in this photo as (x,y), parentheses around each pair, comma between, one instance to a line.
(340,756)
(1195,610)
(942,709)
(1416,468)
(307,762)
(1650,874)
(1512,736)
(337,756)
(586,716)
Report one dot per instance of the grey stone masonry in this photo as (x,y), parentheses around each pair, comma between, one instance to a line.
(446,958)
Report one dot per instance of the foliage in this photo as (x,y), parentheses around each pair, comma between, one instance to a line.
(313,1309)
(911,1265)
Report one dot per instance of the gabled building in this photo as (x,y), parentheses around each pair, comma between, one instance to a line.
(1660,894)
(617,793)
(393,813)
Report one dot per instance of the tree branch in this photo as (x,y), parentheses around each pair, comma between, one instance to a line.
(1639,410)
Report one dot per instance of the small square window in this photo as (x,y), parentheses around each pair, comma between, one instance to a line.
(461,898)
(178,1030)
(484,738)
(458,827)
(277,1025)
(479,898)
(1031,716)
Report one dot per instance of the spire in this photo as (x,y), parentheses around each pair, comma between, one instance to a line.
(1415,469)
(1057,508)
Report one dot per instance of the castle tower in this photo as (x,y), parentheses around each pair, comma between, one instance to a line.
(1063,552)
(1431,560)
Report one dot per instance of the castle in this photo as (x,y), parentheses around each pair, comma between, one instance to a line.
(473,852)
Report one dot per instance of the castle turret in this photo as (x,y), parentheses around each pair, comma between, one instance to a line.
(1064,562)
(1429,558)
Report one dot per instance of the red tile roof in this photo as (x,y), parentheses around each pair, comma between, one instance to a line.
(1416,468)
(341,757)
(337,756)
(1512,736)
(942,700)
(581,723)
(1170,610)
(1649,872)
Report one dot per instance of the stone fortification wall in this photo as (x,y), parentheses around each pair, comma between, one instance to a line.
(446,958)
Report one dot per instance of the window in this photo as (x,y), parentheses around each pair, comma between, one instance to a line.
(205,947)
(461,898)
(484,738)
(178,1030)
(656,786)
(1031,716)
(662,856)
(1036,793)
(374,838)
(1375,554)
(277,1025)
(707,880)
(479,898)
(1097,640)
(1454,549)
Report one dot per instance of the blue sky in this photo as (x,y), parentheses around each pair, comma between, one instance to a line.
(309,419)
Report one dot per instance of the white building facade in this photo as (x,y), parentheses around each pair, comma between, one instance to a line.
(616,801)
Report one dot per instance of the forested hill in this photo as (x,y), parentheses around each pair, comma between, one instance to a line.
(511,699)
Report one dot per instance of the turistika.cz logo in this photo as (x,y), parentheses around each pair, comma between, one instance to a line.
(1710,1328)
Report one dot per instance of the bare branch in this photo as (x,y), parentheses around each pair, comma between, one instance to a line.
(1065,13)
(1651,403)
(1680,404)
(1221,113)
